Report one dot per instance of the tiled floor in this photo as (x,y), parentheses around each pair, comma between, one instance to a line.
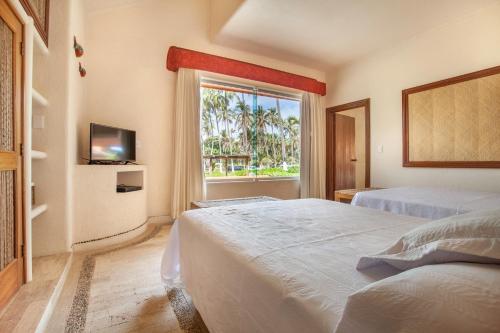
(126,294)
(26,309)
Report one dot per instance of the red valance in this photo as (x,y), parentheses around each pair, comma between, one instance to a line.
(178,57)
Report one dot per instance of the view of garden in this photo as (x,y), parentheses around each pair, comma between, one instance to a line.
(247,133)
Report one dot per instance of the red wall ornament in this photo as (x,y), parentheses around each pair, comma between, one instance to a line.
(82,70)
(183,58)
(78,48)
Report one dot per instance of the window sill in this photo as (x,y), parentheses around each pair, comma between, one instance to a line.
(223,180)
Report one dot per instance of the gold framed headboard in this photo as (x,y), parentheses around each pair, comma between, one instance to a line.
(453,123)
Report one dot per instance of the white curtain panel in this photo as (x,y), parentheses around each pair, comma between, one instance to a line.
(313,147)
(188,182)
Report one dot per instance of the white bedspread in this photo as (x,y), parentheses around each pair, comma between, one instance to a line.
(426,202)
(283,266)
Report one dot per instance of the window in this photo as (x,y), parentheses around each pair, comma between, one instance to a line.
(249,132)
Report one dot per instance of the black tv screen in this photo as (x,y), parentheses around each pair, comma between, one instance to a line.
(111,144)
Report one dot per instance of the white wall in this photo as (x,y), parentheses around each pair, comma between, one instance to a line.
(128,85)
(465,45)
(277,188)
(76,109)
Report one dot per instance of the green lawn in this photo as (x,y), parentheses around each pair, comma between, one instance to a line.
(269,172)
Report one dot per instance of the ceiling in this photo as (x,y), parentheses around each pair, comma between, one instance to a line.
(329,33)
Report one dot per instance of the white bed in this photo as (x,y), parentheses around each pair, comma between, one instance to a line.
(284,266)
(426,202)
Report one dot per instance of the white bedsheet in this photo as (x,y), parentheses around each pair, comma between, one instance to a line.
(426,202)
(284,266)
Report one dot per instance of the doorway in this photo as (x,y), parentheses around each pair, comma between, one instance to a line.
(11,173)
(347,147)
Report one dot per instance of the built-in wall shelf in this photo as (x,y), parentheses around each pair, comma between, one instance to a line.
(38,155)
(38,100)
(134,180)
(36,211)
(35,59)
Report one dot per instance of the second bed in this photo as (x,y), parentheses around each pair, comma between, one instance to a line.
(427,202)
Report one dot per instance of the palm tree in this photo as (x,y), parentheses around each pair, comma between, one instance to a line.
(274,119)
(226,114)
(226,140)
(282,131)
(244,121)
(208,110)
(211,102)
(260,127)
(207,128)
(292,128)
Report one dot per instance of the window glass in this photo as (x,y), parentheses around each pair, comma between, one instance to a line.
(248,132)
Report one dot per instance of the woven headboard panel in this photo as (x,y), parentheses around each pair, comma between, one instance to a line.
(454,122)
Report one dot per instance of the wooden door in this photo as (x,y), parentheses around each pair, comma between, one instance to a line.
(345,154)
(331,146)
(11,175)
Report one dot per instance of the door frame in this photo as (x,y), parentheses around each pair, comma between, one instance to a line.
(14,274)
(330,143)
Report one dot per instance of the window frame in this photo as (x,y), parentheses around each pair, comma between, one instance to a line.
(239,87)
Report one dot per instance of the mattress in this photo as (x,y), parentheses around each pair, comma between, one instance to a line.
(283,266)
(426,202)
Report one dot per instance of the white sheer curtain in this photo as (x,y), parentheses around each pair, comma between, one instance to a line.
(188,182)
(313,147)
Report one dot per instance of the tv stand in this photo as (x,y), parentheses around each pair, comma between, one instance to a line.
(101,211)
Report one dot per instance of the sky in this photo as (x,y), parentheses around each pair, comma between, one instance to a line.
(287,107)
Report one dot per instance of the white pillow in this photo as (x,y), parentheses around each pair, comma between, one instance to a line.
(454,297)
(472,237)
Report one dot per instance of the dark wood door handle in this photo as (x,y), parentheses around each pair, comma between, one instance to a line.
(354,159)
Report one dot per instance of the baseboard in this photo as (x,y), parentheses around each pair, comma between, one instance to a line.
(95,244)
(161,219)
(51,305)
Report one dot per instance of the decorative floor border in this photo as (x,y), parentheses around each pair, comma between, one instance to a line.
(188,317)
(78,314)
(77,318)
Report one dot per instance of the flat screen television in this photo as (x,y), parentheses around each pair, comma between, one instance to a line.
(111,145)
